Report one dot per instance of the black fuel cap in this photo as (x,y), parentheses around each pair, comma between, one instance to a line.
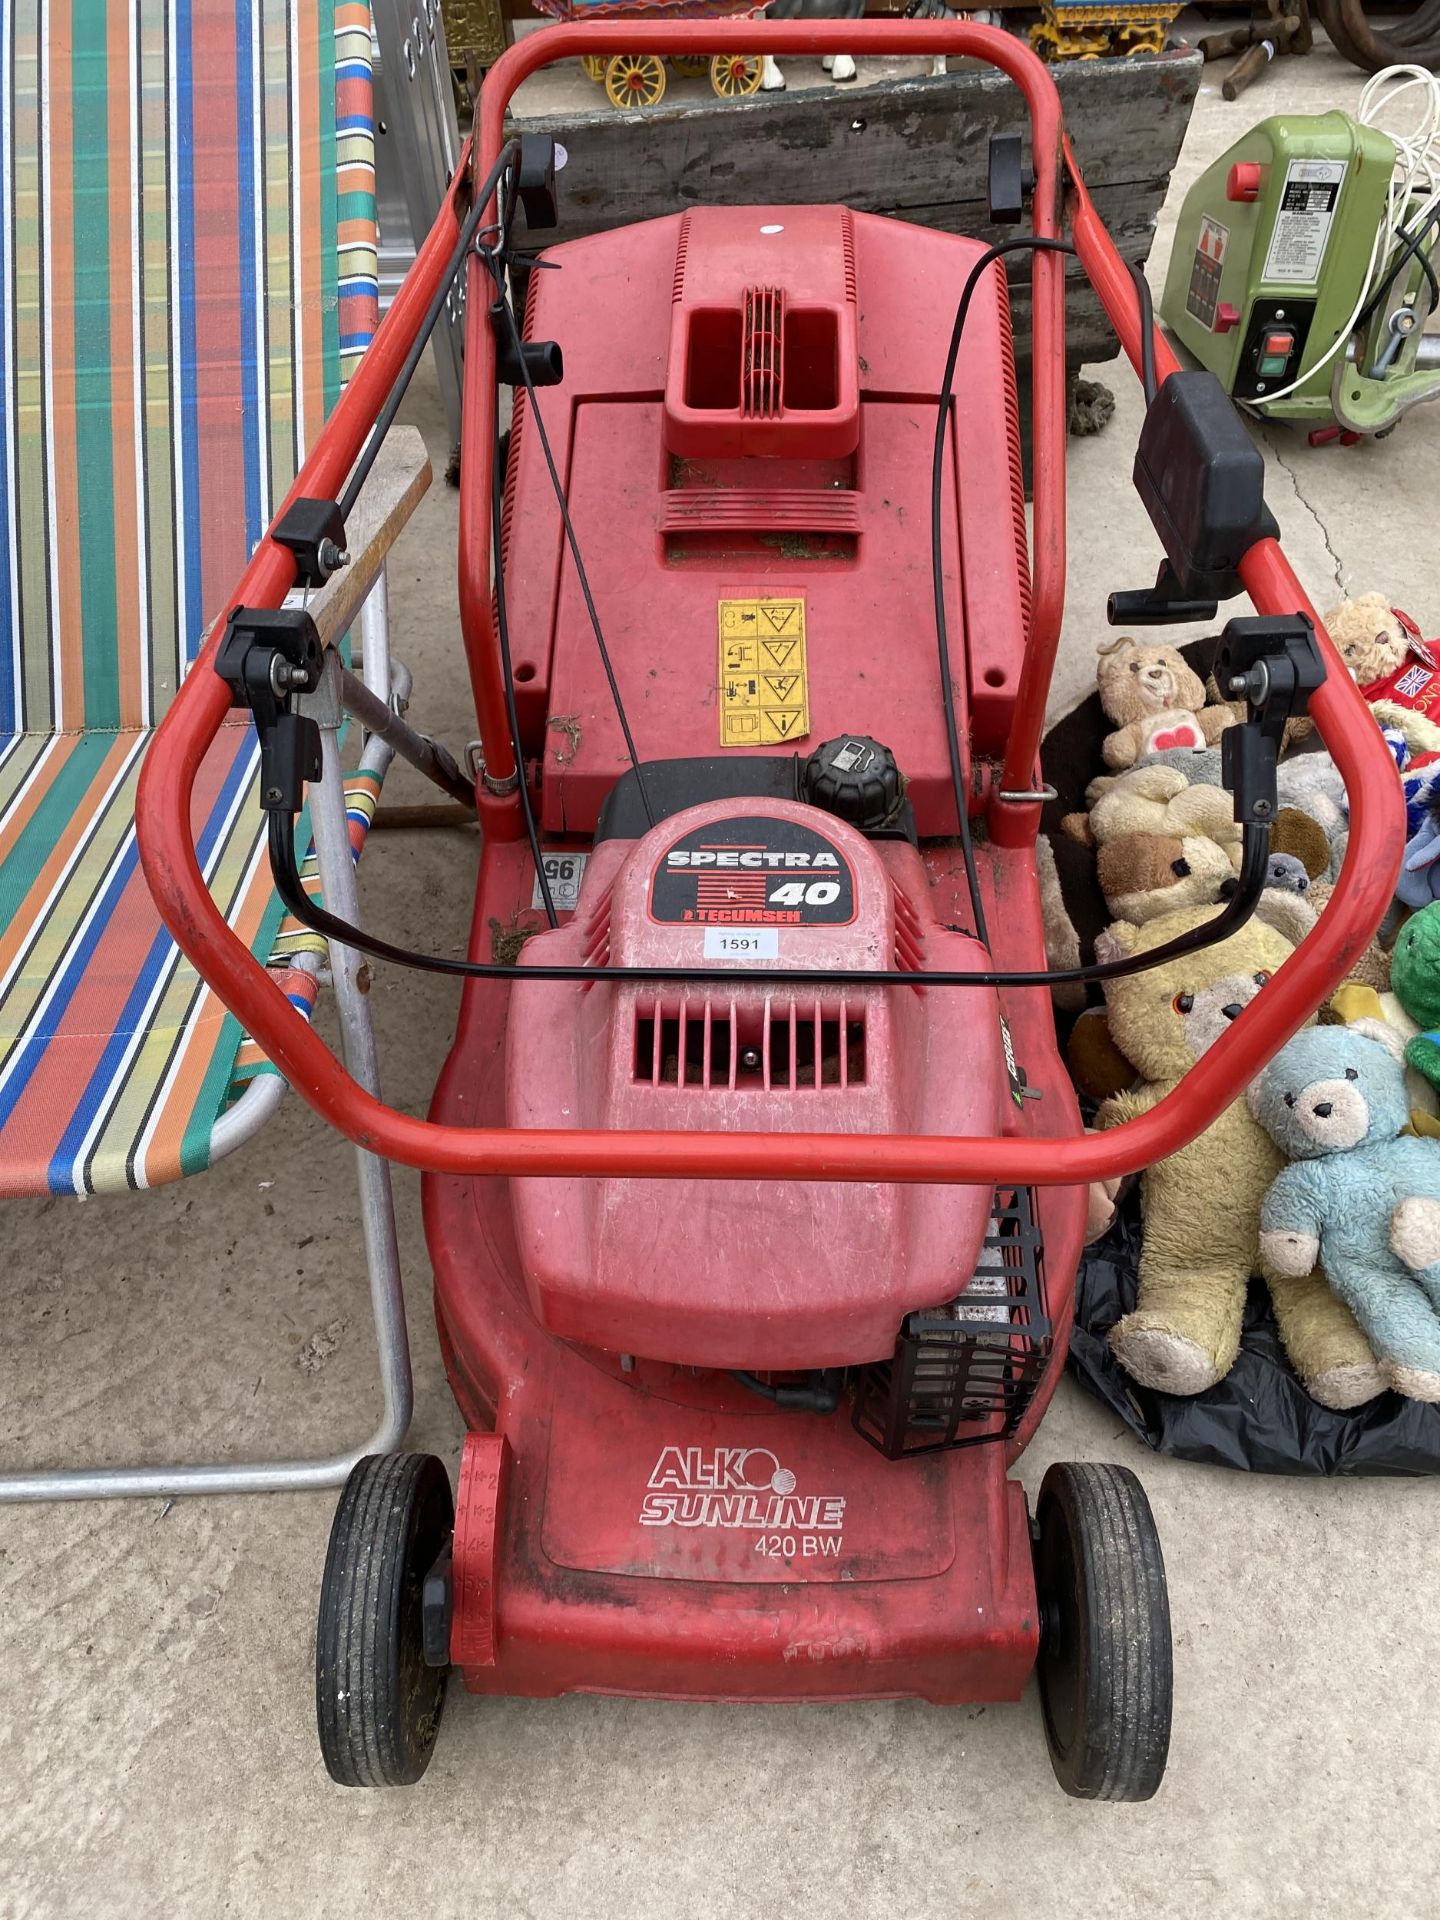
(856,779)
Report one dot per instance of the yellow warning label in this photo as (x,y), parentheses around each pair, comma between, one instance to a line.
(764,695)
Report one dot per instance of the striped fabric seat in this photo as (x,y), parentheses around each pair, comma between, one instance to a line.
(187,272)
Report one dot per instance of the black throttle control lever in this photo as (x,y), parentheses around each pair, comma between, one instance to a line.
(266,656)
(1274,665)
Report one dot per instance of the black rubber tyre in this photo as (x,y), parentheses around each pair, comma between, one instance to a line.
(377,1704)
(1105,1672)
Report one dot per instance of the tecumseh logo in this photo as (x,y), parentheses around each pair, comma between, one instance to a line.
(734,1487)
(762,857)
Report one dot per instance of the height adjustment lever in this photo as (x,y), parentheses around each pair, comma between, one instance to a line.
(1164,604)
(1274,665)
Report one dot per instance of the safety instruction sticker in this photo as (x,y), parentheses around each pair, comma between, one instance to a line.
(1203,295)
(1302,226)
(764,693)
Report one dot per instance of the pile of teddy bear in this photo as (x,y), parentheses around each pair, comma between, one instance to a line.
(1325,1180)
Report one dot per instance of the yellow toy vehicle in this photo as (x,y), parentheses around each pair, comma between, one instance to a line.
(1080,30)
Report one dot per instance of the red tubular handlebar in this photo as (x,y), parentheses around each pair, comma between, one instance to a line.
(167,849)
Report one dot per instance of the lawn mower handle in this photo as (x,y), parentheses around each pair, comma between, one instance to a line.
(167,850)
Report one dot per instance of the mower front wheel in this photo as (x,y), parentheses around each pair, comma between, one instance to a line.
(377,1700)
(1104,1668)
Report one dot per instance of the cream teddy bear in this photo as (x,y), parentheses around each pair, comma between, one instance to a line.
(1158,799)
(1390,663)
(1202,1205)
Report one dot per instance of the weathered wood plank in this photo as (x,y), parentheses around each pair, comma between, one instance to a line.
(908,147)
(911,148)
(398,482)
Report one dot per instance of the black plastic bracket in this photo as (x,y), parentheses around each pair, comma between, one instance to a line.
(1162,605)
(1274,665)
(535,182)
(314,531)
(1201,479)
(265,657)
(1008,181)
(544,361)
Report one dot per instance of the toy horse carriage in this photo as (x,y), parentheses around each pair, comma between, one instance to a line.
(638,79)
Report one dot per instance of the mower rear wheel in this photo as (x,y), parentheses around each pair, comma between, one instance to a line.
(1105,1673)
(377,1702)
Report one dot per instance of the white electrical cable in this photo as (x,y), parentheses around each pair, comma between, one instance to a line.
(1416,174)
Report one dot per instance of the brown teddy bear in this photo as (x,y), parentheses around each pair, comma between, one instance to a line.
(1154,700)
(1164,843)
(1202,1205)
(1145,874)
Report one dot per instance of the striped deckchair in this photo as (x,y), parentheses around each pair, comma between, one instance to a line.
(187,272)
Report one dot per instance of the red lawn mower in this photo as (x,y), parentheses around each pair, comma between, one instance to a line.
(755,1185)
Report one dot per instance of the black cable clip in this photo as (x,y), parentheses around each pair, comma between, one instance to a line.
(266,656)
(1274,665)
(544,362)
(535,181)
(314,531)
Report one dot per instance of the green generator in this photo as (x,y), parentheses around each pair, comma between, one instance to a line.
(1292,280)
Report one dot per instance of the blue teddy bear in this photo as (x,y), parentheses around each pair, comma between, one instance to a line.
(1357,1198)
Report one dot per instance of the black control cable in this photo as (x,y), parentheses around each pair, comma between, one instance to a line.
(945,408)
(1409,245)
(507,671)
(385,419)
(1255,853)
(492,262)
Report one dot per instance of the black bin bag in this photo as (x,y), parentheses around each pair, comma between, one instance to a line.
(1259,1419)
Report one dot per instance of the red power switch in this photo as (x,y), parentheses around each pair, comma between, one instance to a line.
(1243,181)
(1275,351)
(1227,317)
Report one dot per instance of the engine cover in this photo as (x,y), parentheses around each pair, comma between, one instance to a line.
(753,1274)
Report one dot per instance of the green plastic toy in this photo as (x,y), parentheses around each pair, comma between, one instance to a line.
(1415,982)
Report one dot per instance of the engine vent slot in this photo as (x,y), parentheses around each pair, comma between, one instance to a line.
(775,1048)
(909,935)
(597,937)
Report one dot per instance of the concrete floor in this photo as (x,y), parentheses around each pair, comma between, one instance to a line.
(156,1718)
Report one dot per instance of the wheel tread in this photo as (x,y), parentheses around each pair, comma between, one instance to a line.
(357,1705)
(1126,1730)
